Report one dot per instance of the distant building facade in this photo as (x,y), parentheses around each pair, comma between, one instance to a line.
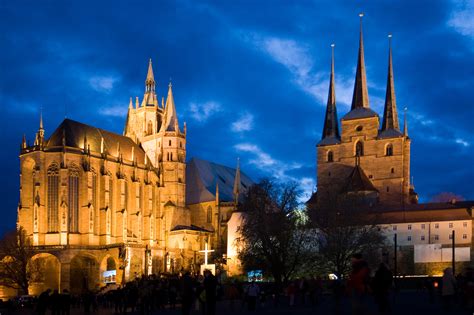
(103,207)
(365,167)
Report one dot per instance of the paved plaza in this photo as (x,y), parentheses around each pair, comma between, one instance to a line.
(405,303)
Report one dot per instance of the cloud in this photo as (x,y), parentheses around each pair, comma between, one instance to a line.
(114,111)
(296,57)
(103,83)
(462,142)
(244,123)
(266,163)
(277,169)
(462,18)
(203,111)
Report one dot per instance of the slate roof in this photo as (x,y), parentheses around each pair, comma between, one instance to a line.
(75,132)
(202,177)
(360,112)
(329,141)
(358,181)
(390,133)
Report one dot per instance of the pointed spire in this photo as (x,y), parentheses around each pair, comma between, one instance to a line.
(236,190)
(137,103)
(41,120)
(331,129)
(130,105)
(63,140)
(360,98)
(85,142)
(390,116)
(23,142)
(405,123)
(118,149)
(149,76)
(217,194)
(149,99)
(171,120)
(40,134)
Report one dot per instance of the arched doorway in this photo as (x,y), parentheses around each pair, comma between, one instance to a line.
(45,270)
(84,274)
(108,270)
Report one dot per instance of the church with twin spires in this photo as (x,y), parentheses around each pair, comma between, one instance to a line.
(367,162)
(106,208)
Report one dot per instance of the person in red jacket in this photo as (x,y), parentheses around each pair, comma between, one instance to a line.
(358,284)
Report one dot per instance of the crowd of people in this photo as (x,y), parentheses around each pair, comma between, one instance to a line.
(200,293)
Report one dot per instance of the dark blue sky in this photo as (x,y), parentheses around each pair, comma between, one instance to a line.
(250,78)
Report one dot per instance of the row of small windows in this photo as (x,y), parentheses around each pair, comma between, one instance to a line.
(436,226)
(436,237)
(359,151)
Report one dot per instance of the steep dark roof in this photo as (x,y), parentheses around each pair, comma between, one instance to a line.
(330,133)
(390,133)
(74,133)
(360,112)
(390,116)
(202,177)
(358,181)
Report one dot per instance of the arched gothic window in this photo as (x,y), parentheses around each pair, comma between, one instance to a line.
(94,202)
(359,149)
(73,199)
(330,156)
(389,150)
(53,199)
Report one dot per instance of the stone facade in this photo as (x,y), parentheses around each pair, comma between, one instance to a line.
(94,201)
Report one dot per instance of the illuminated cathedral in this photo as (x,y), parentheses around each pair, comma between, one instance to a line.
(103,207)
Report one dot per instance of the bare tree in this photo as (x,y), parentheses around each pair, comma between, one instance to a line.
(17,270)
(274,237)
(343,229)
(447,197)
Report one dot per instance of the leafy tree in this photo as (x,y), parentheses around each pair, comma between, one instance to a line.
(17,270)
(274,236)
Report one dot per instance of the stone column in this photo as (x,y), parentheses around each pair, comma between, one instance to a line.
(65,277)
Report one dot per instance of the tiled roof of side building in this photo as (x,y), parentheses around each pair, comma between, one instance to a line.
(77,133)
(203,176)
(421,216)
(426,212)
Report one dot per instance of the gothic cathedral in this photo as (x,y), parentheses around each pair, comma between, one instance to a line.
(106,208)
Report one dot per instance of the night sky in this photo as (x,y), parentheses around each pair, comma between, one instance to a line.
(250,78)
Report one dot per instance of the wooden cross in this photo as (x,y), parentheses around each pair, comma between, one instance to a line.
(206,252)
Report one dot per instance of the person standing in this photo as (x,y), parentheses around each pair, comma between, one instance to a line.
(381,287)
(210,285)
(252,295)
(65,302)
(358,284)
(448,288)
(187,287)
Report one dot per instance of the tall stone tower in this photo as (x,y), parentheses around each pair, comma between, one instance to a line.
(364,160)
(156,129)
